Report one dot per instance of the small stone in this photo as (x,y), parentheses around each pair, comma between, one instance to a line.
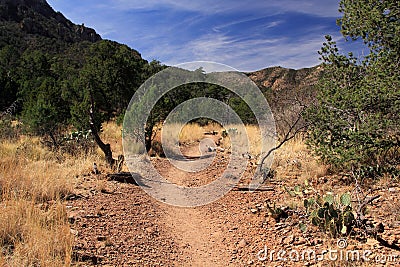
(250,262)
(392,190)
(71,220)
(242,243)
(149,230)
(253,210)
(288,240)
(91,216)
(372,242)
(74,232)
(101,238)
(74,216)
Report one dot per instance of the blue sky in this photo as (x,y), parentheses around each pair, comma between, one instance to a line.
(246,35)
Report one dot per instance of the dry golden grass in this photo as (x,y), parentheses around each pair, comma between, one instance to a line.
(191,132)
(187,134)
(40,181)
(294,159)
(34,229)
(252,133)
(293,154)
(212,126)
(34,236)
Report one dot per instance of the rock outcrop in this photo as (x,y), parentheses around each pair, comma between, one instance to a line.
(37,17)
(278,78)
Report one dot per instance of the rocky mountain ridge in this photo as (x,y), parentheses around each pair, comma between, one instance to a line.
(33,18)
(279,78)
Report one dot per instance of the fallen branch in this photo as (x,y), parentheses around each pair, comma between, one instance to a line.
(246,188)
(360,210)
(387,244)
(122,177)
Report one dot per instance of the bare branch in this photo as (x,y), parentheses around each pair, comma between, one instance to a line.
(290,134)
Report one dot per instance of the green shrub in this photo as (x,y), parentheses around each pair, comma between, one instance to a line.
(355,123)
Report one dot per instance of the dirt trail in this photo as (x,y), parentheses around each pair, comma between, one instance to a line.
(122,219)
(118,224)
(195,234)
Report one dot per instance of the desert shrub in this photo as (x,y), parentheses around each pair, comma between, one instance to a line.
(356,122)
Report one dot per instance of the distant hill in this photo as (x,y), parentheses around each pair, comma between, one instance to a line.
(33,24)
(288,91)
(281,79)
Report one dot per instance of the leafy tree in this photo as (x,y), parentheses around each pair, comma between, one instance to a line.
(8,89)
(112,73)
(356,123)
(44,110)
(104,87)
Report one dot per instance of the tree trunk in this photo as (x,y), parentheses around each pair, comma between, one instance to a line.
(106,148)
(148,136)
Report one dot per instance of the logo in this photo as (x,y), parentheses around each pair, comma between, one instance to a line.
(145,100)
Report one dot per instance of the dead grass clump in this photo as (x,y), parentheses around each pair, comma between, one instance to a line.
(30,149)
(39,181)
(252,134)
(112,134)
(31,236)
(211,126)
(34,230)
(295,159)
(189,133)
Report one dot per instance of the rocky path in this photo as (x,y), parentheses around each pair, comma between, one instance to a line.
(117,224)
(120,225)
(198,238)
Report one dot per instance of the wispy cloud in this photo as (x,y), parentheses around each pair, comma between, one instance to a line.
(248,55)
(330,7)
(247,35)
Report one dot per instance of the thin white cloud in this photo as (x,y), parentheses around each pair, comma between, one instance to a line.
(246,55)
(326,8)
(268,25)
